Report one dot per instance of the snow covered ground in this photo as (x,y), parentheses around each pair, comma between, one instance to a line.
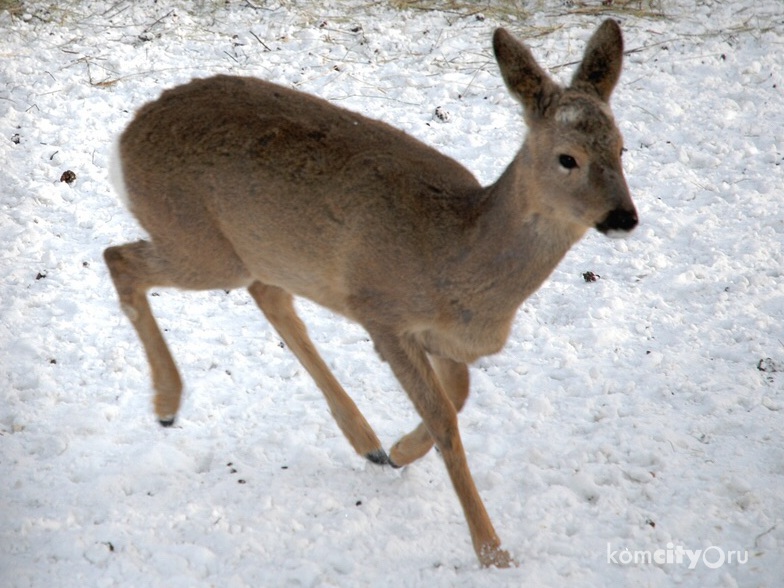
(630,433)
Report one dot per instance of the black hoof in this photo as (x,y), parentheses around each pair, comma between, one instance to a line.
(379,457)
(167,422)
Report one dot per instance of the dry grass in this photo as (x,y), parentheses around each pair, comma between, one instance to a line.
(517,9)
(639,8)
(499,8)
(502,10)
(13,6)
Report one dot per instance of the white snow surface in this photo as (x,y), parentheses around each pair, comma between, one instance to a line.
(641,413)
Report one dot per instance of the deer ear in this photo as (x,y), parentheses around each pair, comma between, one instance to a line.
(601,65)
(527,82)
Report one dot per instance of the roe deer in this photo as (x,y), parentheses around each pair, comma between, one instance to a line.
(242,183)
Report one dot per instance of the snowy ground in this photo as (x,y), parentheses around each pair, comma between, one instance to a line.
(638,413)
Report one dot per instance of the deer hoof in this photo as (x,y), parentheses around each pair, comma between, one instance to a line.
(496,558)
(379,457)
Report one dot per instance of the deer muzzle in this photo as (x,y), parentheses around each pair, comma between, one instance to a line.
(622,219)
(619,220)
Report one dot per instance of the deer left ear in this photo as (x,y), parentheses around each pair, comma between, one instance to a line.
(524,78)
(601,65)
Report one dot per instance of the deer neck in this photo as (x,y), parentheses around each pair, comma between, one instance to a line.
(516,242)
(511,250)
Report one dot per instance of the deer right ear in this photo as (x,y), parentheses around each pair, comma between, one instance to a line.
(527,82)
(601,65)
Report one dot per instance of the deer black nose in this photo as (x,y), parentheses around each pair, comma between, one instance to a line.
(619,219)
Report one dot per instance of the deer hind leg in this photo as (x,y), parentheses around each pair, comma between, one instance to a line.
(277,305)
(135,268)
(455,382)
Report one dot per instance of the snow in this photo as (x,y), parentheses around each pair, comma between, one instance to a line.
(638,413)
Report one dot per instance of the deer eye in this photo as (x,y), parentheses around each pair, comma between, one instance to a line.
(567,161)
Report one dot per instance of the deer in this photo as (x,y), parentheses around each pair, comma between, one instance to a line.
(241,183)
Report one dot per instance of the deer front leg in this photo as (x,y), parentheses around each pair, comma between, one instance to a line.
(410,365)
(454,380)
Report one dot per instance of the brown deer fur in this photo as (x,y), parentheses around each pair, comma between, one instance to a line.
(243,183)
